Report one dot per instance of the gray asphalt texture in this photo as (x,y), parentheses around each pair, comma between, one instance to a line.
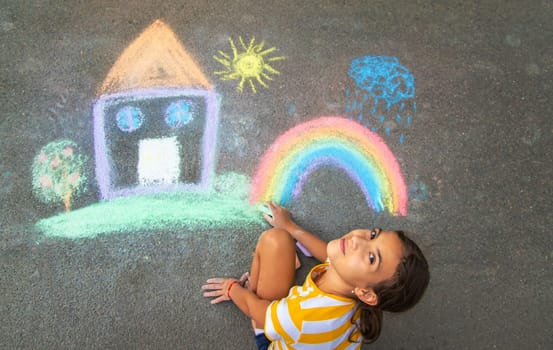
(478,157)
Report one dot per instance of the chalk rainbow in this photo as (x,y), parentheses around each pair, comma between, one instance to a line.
(330,141)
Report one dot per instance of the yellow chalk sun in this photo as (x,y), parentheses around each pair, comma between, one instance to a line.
(249,65)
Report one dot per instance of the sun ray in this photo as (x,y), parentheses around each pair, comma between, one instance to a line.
(252,86)
(225,55)
(222,61)
(244,47)
(267,51)
(266,76)
(271,70)
(278,58)
(233,47)
(240,86)
(261,82)
(260,46)
(251,44)
(247,63)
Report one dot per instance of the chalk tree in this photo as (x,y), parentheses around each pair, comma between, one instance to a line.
(59,172)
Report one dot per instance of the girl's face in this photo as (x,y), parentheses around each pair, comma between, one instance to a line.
(364,258)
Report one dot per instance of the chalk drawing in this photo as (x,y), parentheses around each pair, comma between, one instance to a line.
(155,124)
(155,120)
(337,142)
(383,97)
(155,128)
(225,206)
(248,64)
(59,172)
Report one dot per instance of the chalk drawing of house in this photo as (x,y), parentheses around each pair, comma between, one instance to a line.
(155,120)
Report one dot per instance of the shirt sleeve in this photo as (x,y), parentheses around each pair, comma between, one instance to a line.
(279,324)
(269,328)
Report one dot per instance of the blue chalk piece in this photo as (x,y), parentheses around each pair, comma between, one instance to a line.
(402,106)
(373,129)
(381,119)
(360,116)
(387,131)
(408,120)
(398,118)
(348,108)
(401,139)
(346,92)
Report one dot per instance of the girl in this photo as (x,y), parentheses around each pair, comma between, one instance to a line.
(340,304)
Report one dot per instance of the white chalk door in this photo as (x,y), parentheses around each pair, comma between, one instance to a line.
(158,161)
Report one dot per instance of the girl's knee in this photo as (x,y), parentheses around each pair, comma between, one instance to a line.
(275,238)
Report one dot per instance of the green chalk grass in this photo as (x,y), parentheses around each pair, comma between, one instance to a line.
(225,206)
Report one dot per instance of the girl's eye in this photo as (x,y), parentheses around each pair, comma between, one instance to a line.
(372,258)
(373,234)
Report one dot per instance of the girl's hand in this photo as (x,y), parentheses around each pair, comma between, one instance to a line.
(280,217)
(218,288)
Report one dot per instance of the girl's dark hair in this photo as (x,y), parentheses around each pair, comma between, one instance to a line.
(398,293)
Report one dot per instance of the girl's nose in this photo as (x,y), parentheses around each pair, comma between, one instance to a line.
(357,242)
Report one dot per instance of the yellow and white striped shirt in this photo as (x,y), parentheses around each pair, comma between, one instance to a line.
(309,318)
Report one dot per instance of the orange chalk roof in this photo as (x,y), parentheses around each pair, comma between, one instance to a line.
(156,58)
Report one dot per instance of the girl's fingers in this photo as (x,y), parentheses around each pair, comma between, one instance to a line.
(215,288)
(213,293)
(219,299)
(268,218)
(211,286)
(215,280)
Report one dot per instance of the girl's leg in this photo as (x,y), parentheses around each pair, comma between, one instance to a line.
(273,265)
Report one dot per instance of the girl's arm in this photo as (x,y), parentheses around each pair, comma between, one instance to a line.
(249,303)
(281,219)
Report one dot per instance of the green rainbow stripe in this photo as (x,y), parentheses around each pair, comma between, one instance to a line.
(330,141)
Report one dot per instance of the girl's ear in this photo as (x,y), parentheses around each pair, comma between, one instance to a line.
(367,295)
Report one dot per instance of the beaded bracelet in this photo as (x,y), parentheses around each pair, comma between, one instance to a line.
(229,288)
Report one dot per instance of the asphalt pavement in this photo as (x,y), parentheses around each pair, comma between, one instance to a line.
(448,103)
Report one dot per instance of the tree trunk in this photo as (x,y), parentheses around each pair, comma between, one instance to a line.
(67,201)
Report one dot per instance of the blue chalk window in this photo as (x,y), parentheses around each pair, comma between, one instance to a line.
(178,114)
(129,118)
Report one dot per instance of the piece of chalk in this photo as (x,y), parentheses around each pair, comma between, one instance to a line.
(304,250)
